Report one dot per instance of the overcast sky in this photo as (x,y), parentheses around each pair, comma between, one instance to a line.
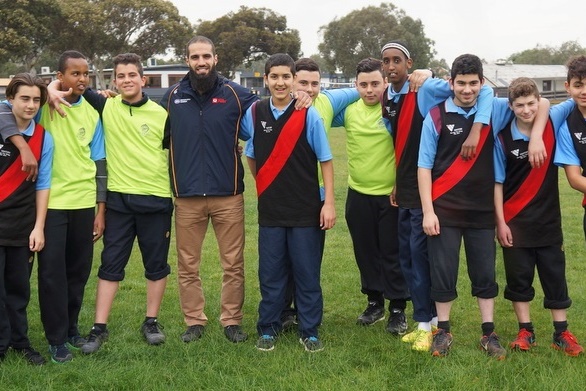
(491,29)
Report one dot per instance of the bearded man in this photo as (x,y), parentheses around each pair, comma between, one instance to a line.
(202,131)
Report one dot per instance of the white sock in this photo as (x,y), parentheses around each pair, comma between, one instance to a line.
(426,326)
(434,321)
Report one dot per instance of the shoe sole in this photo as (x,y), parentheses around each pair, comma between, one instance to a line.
(309,350)
(397,332)
(518,348)
(265,349)
(570,354)
(362,323)
(62,361)
(498,357)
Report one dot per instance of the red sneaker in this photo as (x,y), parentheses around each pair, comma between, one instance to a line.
(525,339)
(568,343)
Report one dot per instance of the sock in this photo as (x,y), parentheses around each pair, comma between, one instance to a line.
(100,326)
(434,321)
(445,325)
(147,318)
(397,304)
(527,326)
(560,327)
(487,328)
(426,326)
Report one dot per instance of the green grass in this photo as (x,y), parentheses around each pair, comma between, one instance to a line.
(355,358)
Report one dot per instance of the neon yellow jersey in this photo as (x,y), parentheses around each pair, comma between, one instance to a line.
(371,153)
(73,183)
(137,162)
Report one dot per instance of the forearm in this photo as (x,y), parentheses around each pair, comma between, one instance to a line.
(42,203)
(498,203)
(101,180)
(424,182)
(327,170)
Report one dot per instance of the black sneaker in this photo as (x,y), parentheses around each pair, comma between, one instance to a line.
(76,342)
(235,334)
(94,341)
(372,314)
(288,322)
(492,346)
(60,354)
(397,323)
(193,333)
(31,355)
(151,330)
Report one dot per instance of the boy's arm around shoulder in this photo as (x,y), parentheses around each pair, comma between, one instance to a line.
(482,117)
(9,130)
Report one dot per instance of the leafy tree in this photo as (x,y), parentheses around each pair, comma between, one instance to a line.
(547,55)
(440,68)
(28,26)
(362,34)
(102,29)
(249,35)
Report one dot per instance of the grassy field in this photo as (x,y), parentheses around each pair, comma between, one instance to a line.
(355,358)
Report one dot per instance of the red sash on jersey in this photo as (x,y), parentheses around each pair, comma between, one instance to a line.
(458,169)
(14,172)
(404,123)
(531,185)
(283,148)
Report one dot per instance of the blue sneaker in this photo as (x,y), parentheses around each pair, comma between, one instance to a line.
(265,343)
(311,344)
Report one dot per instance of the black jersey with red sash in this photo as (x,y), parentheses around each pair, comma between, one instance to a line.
(531,196)
(17,195)
(286,169)
(406,122)
(577,127)
(462,190)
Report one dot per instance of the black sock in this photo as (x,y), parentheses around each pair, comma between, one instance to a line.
(560,327)
(444,325)
(487,328)
(527,326)
(101,327)
(147,318)
(399,304)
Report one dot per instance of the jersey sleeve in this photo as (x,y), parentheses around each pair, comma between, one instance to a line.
(97,145)
(501,114)
(428,144)
(316,136)
(565,153)
(247,133)
(8,126)
(46,163)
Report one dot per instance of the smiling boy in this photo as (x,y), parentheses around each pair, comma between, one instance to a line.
(457,198)
(138,199)
(284,148)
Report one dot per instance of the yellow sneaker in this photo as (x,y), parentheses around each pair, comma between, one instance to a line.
(410,337)
(423,341)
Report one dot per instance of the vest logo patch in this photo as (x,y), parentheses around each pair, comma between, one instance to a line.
(520,155)
(453,130)
(218,100)
(265,128)
(581,140)
(179,101)
(144,130)
(4,153)
(81,134)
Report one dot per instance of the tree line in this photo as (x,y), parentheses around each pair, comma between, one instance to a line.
(35,32)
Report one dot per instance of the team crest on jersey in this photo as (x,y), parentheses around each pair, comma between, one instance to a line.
(81,134)
(391,112)
(453,130)
(265,128)
(520,155)
(581,139)
(144,130)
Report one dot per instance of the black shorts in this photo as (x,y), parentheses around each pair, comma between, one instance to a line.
(147,218)
(550,261)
